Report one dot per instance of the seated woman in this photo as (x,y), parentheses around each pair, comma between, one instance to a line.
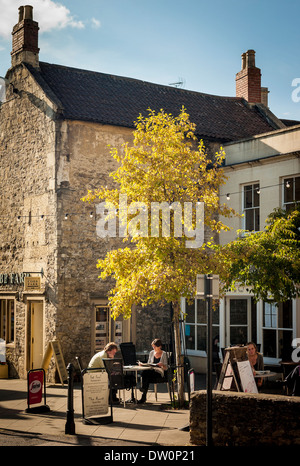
(256,360)
(156,356)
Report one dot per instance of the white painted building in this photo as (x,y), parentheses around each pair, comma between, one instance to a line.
(263,173)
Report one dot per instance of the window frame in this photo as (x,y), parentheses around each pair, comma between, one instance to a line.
(291,180)
(7,319)
(198,325)
(255,185)
(276,327)
(99,333)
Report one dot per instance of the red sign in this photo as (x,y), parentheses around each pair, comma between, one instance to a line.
(35,384)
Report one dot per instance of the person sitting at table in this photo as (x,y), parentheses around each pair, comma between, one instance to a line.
(256,360)
(156,356)
(97,363)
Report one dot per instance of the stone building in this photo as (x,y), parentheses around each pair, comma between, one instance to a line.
(55,126)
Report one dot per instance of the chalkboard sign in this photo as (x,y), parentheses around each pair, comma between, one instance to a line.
(54,348)
(247,377)
(236,373)
(95,394)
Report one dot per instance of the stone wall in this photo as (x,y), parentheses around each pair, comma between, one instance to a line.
(84,163)
(244,419)
(154,321)
(27,171)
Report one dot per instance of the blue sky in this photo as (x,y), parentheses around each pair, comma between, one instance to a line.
(197,41)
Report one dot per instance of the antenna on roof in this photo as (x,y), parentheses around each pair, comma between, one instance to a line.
(179,84)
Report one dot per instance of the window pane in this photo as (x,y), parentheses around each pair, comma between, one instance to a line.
(253,320)
(238,335)
(249,220)
(101,315)
(238,311)
(288,191)
(292,192)
(2,313)
(285,344)
(255,196)
(201,338)
(201,311)
(10,337)
(270,315)
(215,312)
(268,320)
(248,196)
(101,327)
(190,337)
(285,315)
(256,219)
(269,343)
(190,311)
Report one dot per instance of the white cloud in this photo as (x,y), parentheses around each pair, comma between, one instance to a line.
(95,23)
(48,13)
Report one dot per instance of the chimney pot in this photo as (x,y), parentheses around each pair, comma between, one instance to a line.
(25,38)
(21,13)
(243,61)
(28,12)
(250,58)
(248,80)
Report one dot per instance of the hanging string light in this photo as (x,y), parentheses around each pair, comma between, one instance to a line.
(258,190)
(286,184)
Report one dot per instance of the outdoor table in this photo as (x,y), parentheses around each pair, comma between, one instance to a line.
(264,374)
(287,367)
(135,369)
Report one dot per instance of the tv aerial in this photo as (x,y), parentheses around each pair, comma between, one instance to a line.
(179,84)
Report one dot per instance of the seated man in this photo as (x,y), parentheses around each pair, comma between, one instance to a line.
(97,363)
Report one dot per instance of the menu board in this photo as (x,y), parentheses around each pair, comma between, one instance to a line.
(95,393)
(247,377)
(228,379)
(54,348)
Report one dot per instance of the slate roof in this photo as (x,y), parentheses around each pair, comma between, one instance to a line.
(115,100)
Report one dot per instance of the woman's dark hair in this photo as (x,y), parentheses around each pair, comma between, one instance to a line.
(252,343)
(156,342)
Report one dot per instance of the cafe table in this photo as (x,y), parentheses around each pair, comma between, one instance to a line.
(136,368)
(264,374)
(287,367)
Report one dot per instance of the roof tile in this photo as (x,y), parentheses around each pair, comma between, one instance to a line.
(107,99)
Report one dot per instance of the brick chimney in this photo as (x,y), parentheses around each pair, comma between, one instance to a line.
(25,39)
(248,80)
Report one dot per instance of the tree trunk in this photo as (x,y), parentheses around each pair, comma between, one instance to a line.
(179,358)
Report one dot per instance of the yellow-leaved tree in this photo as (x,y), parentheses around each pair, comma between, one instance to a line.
(166,196)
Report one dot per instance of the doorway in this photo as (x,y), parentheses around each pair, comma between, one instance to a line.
(35,334)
